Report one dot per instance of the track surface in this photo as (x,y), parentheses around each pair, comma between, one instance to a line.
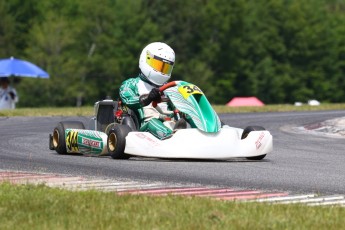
(300,163)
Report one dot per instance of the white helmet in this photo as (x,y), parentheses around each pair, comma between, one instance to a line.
(156,62)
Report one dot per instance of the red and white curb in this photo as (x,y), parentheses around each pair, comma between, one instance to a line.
(163,189)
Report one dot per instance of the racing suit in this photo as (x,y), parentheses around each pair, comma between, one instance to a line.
(151,119)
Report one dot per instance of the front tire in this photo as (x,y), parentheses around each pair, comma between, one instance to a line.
(116,142)
(58,141)
(246,132)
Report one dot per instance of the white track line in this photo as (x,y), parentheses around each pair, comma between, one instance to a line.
(286,198)
(314,200)
(339,202)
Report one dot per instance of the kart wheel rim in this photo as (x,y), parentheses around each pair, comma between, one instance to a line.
(55,138)
(112,142)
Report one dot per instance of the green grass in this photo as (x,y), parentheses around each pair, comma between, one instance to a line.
(53,111)
(89,111)
(40,207)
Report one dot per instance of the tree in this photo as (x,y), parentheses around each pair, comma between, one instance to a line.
(51,46)
(278,50)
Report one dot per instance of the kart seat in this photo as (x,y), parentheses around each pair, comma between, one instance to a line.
(104,112)
(104,115)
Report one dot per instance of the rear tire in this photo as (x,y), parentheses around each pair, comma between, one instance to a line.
(116,142)
(245,133)
(58,141)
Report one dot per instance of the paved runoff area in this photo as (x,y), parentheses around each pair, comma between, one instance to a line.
(333,128)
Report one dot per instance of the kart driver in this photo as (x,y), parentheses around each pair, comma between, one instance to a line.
(156,63)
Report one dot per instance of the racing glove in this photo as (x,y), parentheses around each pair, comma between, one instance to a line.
(154,95)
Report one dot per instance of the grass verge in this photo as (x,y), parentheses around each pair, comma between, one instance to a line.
(89,110)
(41,207)
(51,111)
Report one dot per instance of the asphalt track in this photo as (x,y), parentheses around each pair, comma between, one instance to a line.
(300,162)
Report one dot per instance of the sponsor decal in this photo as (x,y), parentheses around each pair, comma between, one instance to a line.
(140,135)
(258,141)
(72,141)
(91,143)
(150,140)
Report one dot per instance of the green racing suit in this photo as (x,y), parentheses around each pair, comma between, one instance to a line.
(150,119)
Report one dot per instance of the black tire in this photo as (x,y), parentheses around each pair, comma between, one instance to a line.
(110,127)
(245,133)
(58,141)
(116,142)
(129,121)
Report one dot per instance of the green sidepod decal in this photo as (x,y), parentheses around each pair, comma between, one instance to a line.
(85,141)
(189,99)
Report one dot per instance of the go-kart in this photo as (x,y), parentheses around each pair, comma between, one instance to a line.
(114,131)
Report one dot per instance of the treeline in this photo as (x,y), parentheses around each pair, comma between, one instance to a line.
(278,50)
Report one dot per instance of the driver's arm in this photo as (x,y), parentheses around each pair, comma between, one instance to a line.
(129,94)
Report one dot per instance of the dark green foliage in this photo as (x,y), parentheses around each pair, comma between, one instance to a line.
(278,50)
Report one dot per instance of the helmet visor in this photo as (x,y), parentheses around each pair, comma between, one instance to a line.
(160,64)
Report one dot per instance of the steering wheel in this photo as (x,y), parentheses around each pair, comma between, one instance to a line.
(161,89)
(164,87)
(168,85)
